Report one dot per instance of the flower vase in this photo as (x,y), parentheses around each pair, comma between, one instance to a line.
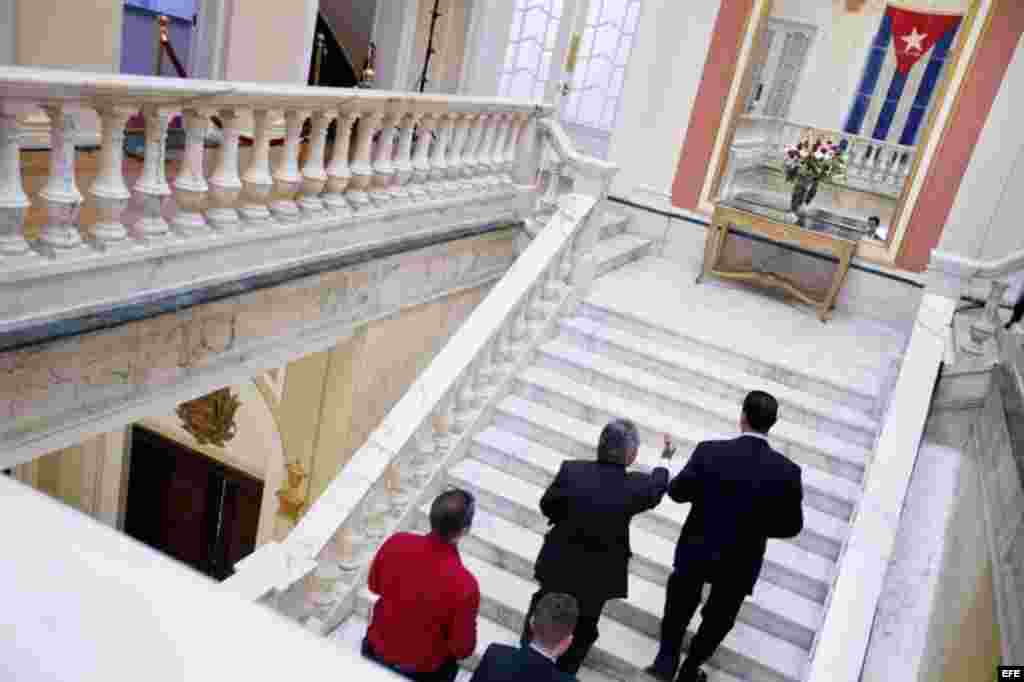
(804,190)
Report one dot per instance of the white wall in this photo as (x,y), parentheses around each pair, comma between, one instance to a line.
(394,31)
(269,42)
(661,84)
(7,32)
(985,221)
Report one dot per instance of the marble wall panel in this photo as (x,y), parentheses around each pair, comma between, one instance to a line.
(79,373)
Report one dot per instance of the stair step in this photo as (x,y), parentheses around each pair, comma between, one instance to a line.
(720,379)
(614,252)
(823,533)
(612,223)
(774,610)
(806,447)
(786,565)
(562,368)
(856,395)
(623,651)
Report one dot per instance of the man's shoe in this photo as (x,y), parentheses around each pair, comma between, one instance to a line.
(659,673)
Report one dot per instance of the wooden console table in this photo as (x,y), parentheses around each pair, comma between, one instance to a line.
(830,240)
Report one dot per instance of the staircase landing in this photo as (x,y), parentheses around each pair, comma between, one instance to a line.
(853,352)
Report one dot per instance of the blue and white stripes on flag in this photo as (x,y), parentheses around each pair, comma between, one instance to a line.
(902,71)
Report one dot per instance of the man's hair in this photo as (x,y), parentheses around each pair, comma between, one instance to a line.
(451,513)
(618,438)
(761,410)
(554,618)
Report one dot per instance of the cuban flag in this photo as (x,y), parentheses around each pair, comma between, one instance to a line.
(903,68)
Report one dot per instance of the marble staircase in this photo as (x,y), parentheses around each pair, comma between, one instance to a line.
(614,358)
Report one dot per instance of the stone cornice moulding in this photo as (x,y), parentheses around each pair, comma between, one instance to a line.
(42,294)
(392,289)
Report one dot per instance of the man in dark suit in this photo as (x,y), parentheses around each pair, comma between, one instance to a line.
(586,552)
(743,492)
(552,623)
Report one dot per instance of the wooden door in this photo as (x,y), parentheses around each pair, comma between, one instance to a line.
(190,507)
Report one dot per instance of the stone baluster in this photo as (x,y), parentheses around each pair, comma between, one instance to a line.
(384,169)
(455,158)
(257,181)
(225,185)
(439,156)
(314,176)
(421,158)
(495,158)
(378,512)
(287,178)
(485,168)
(441,421)
(14,203)
(152,187)
(109,189)
(190,186)
(403,158)
(536,312)
(464,399)
(338,173)
(362,170)
(511,152)
(471,156)
(489,372)
(60,236)
(554,286)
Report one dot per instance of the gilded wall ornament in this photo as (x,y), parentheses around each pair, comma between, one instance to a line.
(211,418)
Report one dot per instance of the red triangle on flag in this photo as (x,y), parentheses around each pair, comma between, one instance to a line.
(915,32)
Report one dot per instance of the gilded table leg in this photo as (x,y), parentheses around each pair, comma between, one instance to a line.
(825,311)
(712,247)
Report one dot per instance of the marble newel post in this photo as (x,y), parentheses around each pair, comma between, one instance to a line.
(338,173)
(152,186)
(109,189)
(225,184)
(190,186)
(60,236)
(257,182)
(287,178)
(14,202)
(314,176)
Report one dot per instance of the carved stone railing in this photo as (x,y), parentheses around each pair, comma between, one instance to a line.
(315,574)
(394,155)
(874,165)
(957,275)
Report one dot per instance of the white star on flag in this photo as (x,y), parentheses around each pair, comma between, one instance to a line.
(914,40)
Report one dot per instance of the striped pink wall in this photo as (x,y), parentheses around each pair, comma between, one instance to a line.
(709,106)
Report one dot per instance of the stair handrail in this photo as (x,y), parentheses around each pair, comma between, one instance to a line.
(315,575)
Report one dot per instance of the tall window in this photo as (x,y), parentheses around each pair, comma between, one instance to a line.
(601,65)
(531,46)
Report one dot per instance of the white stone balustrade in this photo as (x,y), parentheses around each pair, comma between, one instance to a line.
(383,162)
(225,185)
(61,193)
(439,156)
(338,173)
(421,158)
(257,182)
(314,175)
(190,186)
(403,158)
(14,202)
(873,165)
(430,427)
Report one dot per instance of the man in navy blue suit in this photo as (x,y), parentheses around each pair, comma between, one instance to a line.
(552,624)
(742,493)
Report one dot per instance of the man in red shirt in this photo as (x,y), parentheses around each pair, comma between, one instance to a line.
(425,619)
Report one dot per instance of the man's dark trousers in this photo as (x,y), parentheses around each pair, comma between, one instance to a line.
(682,597)
(583,636)
(446,673)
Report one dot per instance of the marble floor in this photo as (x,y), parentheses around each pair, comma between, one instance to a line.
(756,322)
